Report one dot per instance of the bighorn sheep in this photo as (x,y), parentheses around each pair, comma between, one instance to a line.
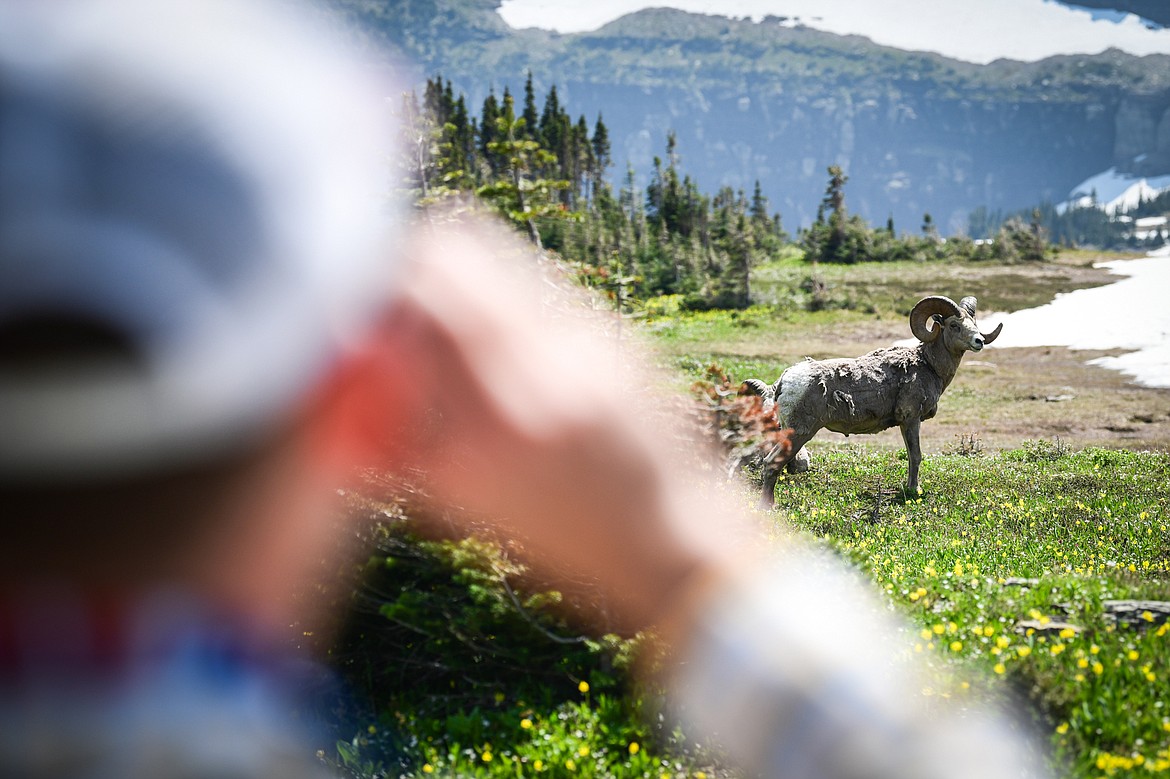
(898,386)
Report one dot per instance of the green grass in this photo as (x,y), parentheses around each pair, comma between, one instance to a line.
(1002,568)
(598,735)
(1003,564)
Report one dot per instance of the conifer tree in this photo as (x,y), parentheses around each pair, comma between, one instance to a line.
(489,123)
(602,154)
(531,117)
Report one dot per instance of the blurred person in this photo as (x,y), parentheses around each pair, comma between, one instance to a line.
(210,317)
(193,241)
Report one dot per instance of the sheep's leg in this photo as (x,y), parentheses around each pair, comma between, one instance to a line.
(913,452)
(772,473)
(768,495)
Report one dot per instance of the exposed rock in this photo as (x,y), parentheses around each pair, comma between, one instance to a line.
(1137,613)
(1045,628)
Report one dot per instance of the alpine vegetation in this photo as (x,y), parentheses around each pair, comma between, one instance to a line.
(897,386)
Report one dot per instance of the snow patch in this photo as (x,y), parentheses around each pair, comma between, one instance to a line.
(1130,313)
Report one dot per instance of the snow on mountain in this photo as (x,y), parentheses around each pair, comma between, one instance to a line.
(1115,192)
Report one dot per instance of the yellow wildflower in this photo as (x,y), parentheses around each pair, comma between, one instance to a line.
(956,646)
(583,686)
(1062,728)
(634,747)
(486,756)
(428,768)
(1024,651)
(526,723)
(583,751)
(1068,633)
(1000,668)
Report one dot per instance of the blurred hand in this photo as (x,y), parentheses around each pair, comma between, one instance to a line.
(523,419)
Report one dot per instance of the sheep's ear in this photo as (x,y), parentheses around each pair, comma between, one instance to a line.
(968,305)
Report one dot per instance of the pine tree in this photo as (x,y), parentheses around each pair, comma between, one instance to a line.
(601,150)
(928,228)
(531,117)
(489,123)
(836,236)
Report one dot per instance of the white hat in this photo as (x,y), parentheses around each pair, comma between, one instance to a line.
(208,179)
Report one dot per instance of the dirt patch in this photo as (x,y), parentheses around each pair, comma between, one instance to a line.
(1050,392)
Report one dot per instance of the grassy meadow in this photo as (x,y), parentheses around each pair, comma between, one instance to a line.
(1006,566)
(1045,497)
(1044,504)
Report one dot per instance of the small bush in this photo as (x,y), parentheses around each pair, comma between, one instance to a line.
(1041,450)
(967,445)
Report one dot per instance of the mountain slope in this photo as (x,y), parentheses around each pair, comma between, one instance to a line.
(916,132)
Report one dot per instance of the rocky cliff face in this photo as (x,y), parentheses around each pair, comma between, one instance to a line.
(1142,132)
(915,132)
(905,154)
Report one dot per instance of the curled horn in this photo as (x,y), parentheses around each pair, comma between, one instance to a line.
(968,304)
(989,337)
(924,310)
(755,387)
